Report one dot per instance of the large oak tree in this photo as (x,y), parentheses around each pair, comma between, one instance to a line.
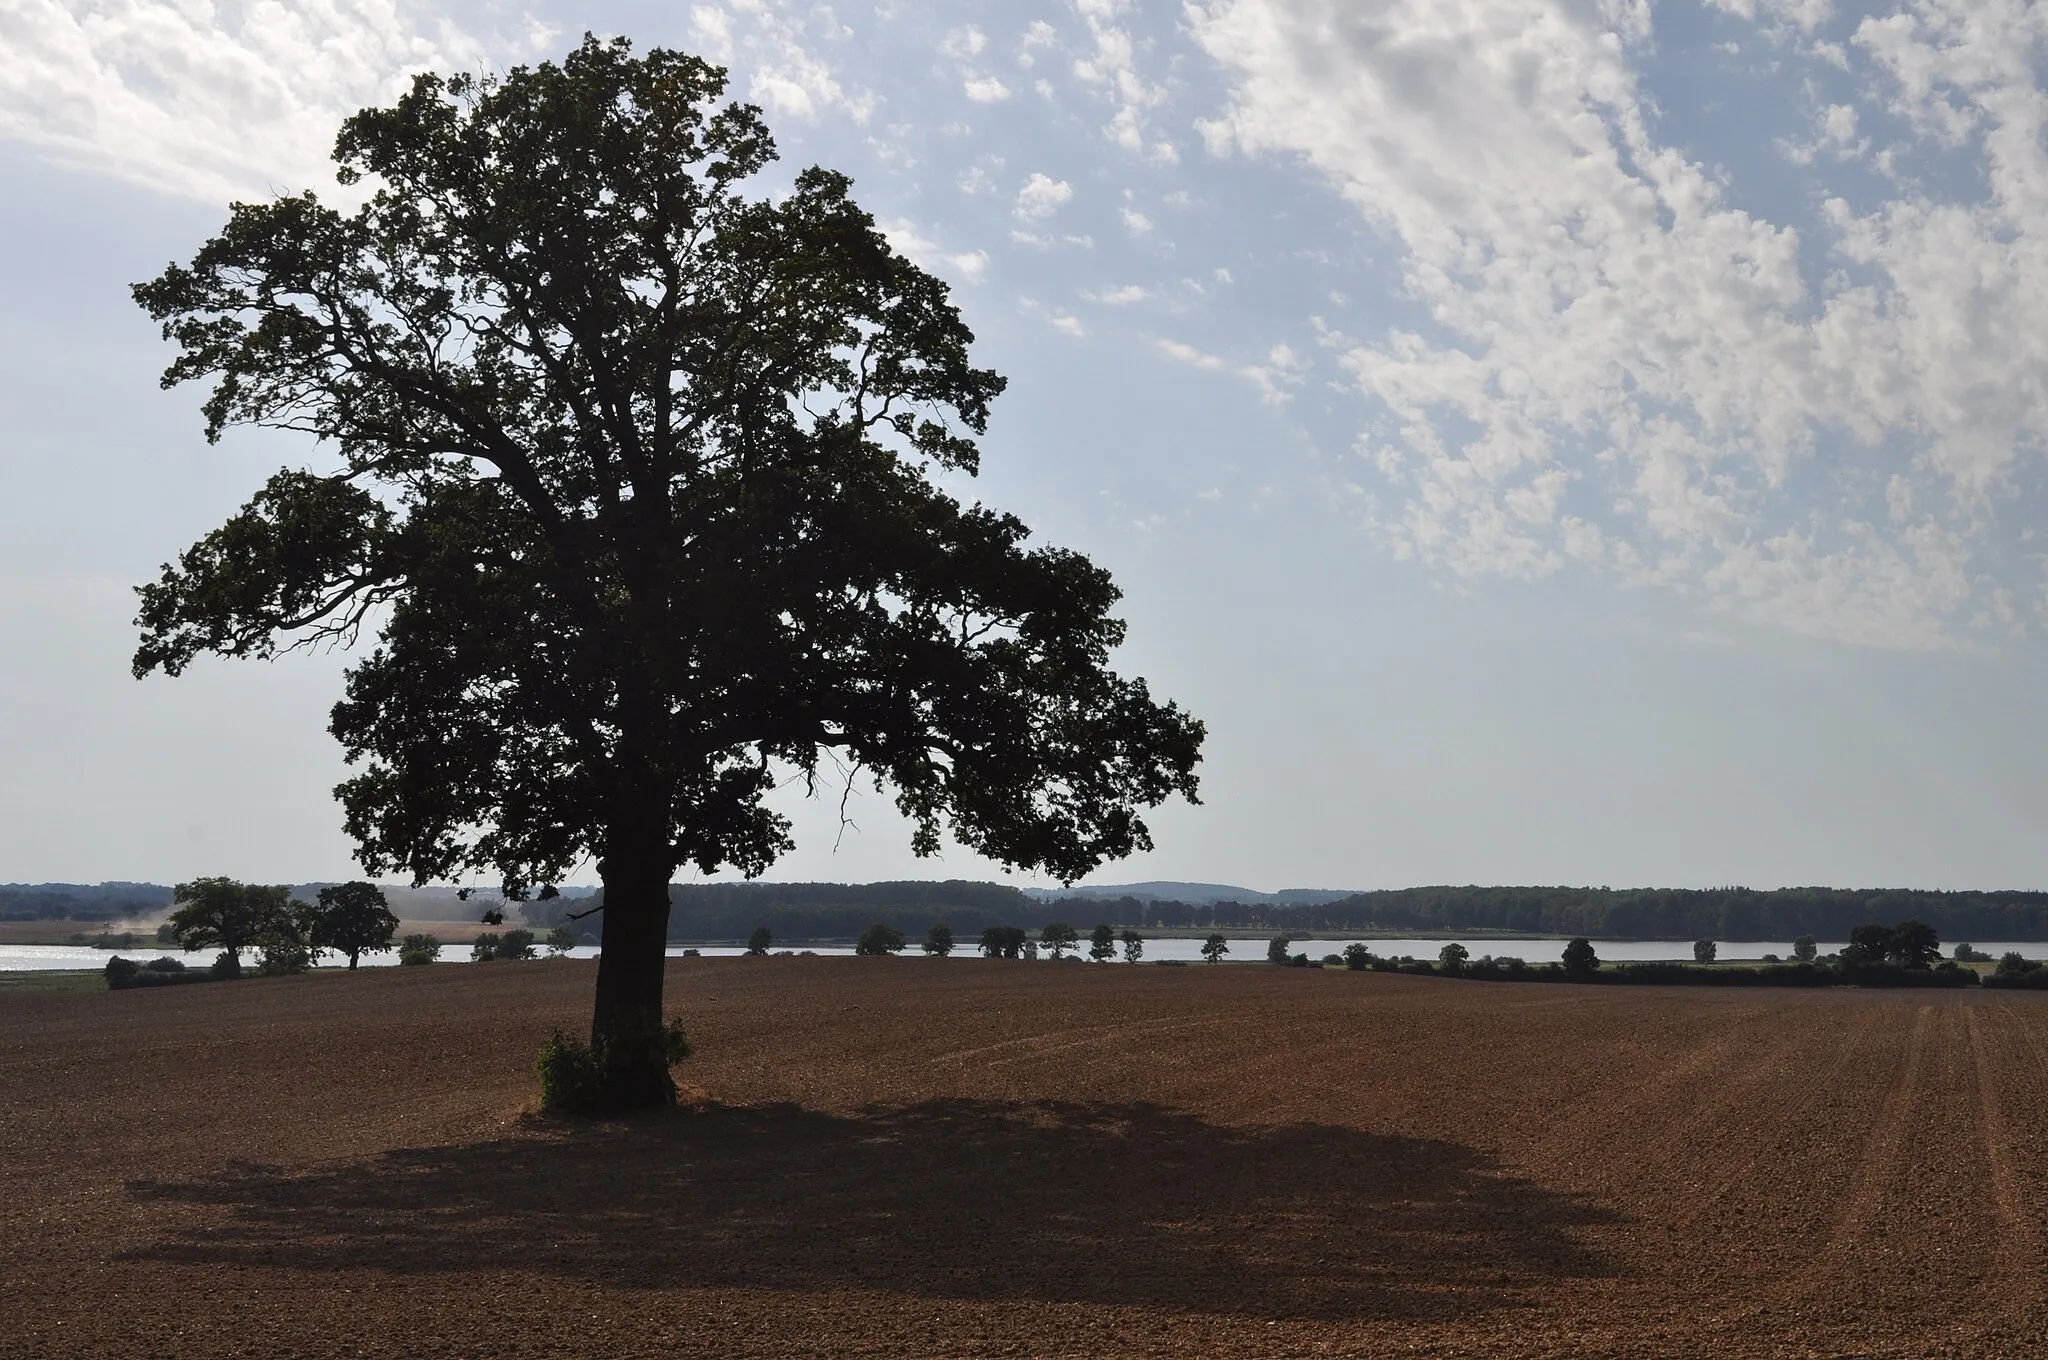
(637,484)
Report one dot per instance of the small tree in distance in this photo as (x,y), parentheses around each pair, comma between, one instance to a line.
(1357,957)
(1002,942)
(219,913)
(938,941)
(1214,948)
(1134,945)
(1102,944)
(418,949)
(1451,958)
(1579,959)
(879,939)
(353,919)
(758,942)
(1058,937)
(1276,949)
(561,939)
(1805,949)
(1703,951)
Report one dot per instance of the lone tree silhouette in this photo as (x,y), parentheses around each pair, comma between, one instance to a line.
(634,477)
(353,919)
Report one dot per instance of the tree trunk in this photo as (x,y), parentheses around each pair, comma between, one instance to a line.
(626,1023)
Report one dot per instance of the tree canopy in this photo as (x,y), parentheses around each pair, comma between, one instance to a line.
(353,919)
(640,483)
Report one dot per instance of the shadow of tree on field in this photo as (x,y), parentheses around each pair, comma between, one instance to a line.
(957,1199)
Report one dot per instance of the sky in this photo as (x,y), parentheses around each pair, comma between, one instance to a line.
(1579,443)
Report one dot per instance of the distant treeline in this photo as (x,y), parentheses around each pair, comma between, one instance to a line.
(819,911)
(797,912)
(1629,913)
(81,901)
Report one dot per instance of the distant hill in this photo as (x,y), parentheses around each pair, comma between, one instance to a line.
(1195,894)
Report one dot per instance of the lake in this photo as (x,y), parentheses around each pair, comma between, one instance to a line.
(16,958)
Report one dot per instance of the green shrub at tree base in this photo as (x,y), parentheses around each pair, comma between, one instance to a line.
(581,1079)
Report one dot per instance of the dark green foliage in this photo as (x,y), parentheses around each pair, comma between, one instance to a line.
(1357,957)
(1276,949)
(758,942)
(1580,960)
(938,941)
(1915,944)
(1002,942)
(641,453)
(1102,943)
(1703,951)
(484,948)
(515,945)
(879,939)
(418,949)
(580,1079)
(2018,971)
(353,919)
(1058,937)
(561,939)
(285,955)
(122,974)
(1969,953)
(219,913)
(1805,949)
(1134,945)
(1214,948)
(1909,944)
(1451,958)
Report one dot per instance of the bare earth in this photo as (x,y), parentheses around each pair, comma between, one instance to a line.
(933,1158)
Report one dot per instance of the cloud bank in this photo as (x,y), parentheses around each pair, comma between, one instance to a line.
(1835,425)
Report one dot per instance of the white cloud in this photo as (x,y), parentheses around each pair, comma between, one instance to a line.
(985,89)
(1119,297)
(926,253)
(1112,65)
(1070,325)
(1041,197)
(1624,369)
(213,102)
(1281,371)
(963,43)
(1135,222)
(1038,34)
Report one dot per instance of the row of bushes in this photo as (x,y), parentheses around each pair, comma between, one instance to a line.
(163,972)
(1582,964)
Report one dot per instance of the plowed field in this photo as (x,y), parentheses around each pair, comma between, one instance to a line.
(962,1158)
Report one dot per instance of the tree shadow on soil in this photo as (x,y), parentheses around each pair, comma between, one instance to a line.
(955,1199)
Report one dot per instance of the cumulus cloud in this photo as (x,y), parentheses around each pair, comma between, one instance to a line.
(1624,369)
(776,49)
(1041,197)
(1111,65)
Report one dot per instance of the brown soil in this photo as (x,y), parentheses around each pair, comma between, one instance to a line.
(909,1157)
